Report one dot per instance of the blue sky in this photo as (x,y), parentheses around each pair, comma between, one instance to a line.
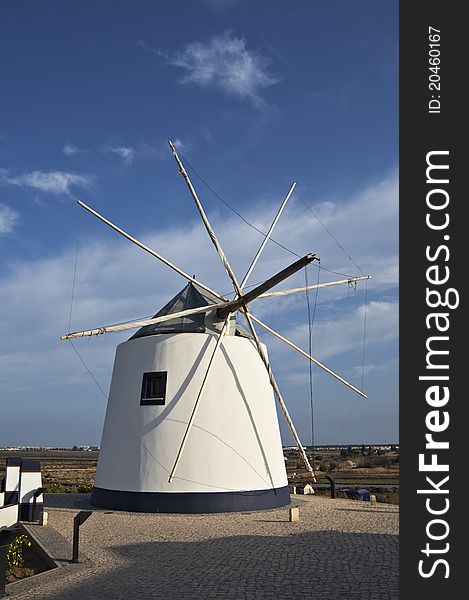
(256,95)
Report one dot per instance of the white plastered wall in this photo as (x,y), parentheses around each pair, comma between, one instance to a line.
(12,478)
(8,515)
(30,482)
(235,441)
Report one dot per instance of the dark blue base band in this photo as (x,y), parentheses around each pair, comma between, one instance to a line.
(190,502)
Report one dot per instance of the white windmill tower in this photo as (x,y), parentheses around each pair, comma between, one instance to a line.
(191,424)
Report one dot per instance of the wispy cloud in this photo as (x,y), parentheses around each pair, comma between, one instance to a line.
(126,153)
(72,150)
(139,151)
(142,44)
(374,369)
(224,62)
(344,334)
(8,219)
(53,182)
(179,144)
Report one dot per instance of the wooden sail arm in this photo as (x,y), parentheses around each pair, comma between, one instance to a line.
(269,233)
(270,283)
(350,280)
(278,394)
(196,403)
(142,323)
(306,355)
(149,250)
(206,222)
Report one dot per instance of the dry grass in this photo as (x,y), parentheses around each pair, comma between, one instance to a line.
(62,470)
(74,471)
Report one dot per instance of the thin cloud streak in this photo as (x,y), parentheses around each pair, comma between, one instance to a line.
(8,219)
(72,150)
(126,153)
(53,182)
(139,151)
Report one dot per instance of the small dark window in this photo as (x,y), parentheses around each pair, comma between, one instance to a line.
(153,388)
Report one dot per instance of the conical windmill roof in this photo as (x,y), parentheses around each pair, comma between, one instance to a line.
(191,296)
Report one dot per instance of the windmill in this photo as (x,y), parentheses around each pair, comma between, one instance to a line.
(191,424)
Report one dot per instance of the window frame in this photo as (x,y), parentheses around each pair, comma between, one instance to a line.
(153,401)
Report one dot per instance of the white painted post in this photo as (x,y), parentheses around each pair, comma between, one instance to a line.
(294,514)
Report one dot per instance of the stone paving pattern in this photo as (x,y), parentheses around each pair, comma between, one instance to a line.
(340,549)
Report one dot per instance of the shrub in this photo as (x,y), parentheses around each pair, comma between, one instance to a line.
(15,557)
(85,488)
(54,488)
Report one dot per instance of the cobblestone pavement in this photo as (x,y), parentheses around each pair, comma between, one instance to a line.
(340,549)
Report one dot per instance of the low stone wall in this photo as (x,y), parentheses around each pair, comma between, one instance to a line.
(8,515)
